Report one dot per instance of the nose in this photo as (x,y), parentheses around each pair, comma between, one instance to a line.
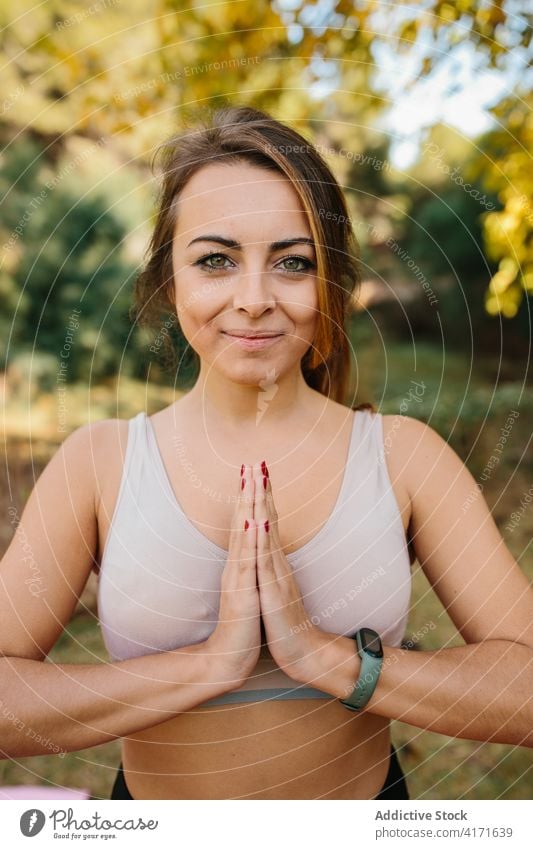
(253,292)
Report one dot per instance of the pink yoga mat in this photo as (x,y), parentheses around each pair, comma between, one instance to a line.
(34,791)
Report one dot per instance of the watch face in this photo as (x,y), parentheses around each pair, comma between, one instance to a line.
(371,642)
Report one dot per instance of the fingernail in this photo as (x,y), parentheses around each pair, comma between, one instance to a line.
(265,483)
(266,525)
(242,470)
(264,469)
(243,481)
(246,525)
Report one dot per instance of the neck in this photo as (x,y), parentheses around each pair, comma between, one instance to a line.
(269,402)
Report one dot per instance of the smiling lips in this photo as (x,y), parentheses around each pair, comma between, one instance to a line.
(254,342)
(250,334)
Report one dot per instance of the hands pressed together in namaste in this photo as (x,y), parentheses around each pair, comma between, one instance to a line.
(258,583)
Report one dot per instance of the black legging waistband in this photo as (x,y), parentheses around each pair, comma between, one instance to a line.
(395,786)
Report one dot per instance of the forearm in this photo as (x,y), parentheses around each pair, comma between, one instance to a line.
(75,706)
(481,691)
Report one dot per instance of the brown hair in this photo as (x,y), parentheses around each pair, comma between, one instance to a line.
(241,133)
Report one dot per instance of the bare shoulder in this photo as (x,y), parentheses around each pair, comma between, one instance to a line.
(457,541)
(105,443)
(109,441)
(53,550)
(416,450)
(95,447)
(419,461)
(396,445)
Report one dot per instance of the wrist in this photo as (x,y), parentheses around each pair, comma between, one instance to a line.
(227,670)
(331,665)
(199,669)
(370,652)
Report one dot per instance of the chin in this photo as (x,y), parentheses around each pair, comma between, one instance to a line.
(255,374)
(258,372)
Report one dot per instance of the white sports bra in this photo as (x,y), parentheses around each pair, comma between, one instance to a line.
(159,579)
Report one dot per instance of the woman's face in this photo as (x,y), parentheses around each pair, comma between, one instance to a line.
(233,274)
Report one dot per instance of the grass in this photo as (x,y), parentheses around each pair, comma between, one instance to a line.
(436,766)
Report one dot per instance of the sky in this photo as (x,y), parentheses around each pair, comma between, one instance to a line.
(458,92)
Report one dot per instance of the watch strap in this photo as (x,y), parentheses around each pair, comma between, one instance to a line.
(368,678)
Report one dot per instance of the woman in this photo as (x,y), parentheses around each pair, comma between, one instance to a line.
(252,540)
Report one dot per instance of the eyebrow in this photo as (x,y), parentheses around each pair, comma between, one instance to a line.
(275,246)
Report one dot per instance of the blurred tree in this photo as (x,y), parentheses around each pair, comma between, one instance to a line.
(66,292)
(150,59)
(444,233)
(132,72)
(507,169)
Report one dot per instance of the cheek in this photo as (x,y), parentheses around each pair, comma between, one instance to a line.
(198,303)
(302,308)
(200,314)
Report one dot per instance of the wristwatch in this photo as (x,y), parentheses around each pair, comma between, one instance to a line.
(370,651)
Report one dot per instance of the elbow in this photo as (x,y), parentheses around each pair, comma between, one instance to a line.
(10,737)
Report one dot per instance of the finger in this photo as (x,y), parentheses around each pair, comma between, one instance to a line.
(268,499)
(241,554)
(240,568)
(235,519)
(262,514)
(247,493)
(247,568)
(243,508)
(244,581)
(267,510)
(265,573)
(280,565)
(265,567)
(248,530)
(260,484)
(266,580)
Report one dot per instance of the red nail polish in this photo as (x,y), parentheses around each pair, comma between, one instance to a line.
(242,470)
(243,481)
(265,483)
(263,467)
(266,525)
(246,525)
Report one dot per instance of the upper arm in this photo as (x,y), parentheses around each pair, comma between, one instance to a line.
(458,544)
(49,558)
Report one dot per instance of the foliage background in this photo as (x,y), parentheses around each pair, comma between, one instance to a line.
(87,91)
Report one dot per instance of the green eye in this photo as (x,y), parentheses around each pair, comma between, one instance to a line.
(307,264)
(202,262)
(205,262)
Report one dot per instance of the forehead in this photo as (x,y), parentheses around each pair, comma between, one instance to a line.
(242,197)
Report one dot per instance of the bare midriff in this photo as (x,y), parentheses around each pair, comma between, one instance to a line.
(271,749)
(292,749)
